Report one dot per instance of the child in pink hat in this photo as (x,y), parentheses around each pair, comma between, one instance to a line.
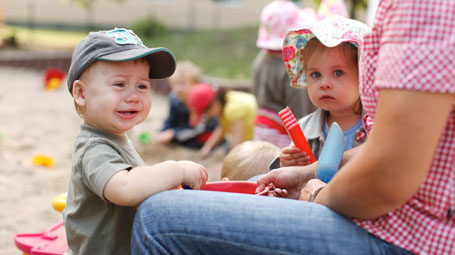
(270,80)
(324,60)
(332,7)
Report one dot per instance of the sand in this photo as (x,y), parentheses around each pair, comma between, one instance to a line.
(33,122)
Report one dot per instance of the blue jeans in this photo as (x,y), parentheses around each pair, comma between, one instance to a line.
(207,222)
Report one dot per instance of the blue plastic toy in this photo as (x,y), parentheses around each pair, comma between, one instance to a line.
(330,158)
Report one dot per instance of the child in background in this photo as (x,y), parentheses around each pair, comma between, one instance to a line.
(331,7)
(109,79)
(177,128)
(270,80)
(247,160)
(325,59)
(235,110)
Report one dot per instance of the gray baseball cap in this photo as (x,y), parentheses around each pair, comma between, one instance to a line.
(118,45)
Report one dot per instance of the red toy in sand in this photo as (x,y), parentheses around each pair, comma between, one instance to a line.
(53,77)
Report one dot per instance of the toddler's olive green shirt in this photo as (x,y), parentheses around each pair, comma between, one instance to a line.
(93,224)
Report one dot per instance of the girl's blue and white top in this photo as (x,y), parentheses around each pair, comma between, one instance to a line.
(315,130)
(314,127)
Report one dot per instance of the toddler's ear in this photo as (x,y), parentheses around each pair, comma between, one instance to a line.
(79,92)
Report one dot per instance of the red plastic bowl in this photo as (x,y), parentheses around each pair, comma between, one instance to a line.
(231,186)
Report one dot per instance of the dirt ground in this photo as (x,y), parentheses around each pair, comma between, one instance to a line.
(33,122)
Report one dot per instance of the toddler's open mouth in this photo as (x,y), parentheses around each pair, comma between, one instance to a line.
(127,114)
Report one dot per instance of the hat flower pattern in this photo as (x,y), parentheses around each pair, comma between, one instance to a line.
(296,42)
(330,31)
(288,53)
(301,41)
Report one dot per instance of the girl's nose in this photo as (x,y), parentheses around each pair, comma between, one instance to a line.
(326,83)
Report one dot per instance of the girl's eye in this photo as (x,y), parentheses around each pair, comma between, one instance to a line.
(316,74)
(338,73)
(119,84)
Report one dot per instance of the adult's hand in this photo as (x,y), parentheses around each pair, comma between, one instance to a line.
(310,187)
(292,179)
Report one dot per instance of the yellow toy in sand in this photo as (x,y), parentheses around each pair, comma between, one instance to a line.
(59,202)
(43,160)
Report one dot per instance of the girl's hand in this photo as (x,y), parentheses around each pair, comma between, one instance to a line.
(292,156)
(195,175)
(311,186)
(286,181)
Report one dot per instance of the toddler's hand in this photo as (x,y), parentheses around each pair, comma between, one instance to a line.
(292,156)
(195,174)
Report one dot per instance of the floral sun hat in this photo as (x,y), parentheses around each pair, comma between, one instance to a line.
(330,31)
(279,17)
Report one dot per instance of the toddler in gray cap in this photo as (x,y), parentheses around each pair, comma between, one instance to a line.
(109,79)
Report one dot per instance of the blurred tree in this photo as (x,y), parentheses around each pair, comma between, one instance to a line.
(149,27)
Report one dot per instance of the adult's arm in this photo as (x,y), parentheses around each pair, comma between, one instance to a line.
(395,159)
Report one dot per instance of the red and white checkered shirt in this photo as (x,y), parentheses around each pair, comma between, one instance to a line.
(412,46)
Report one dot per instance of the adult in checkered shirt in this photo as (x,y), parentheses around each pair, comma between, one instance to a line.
(394,195)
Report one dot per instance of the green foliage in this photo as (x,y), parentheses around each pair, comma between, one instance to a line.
(149,28)
(220,53)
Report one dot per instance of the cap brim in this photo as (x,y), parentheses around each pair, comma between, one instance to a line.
(161,60)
